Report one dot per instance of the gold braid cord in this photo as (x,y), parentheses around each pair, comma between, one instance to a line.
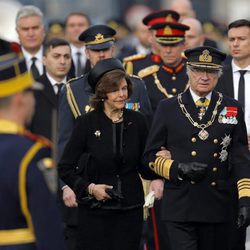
(244,187)
(162,167)
(72,102)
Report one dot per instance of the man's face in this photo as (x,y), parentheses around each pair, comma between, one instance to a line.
(143,34)
(75,25)
(58,61)
(239,42)
(97,55)
(202,81)
(171,55)
(31,33)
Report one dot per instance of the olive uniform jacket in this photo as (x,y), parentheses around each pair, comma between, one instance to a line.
(208,200)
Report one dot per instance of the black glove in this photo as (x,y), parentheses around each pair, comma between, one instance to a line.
(114,194)
(193,171)
(244,217)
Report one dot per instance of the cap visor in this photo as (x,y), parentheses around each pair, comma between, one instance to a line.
(100,46)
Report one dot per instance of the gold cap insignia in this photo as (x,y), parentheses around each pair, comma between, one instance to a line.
(167,31)
(99,37)
(169,18)
(205,56)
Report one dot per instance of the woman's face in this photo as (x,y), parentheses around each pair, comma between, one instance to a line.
(117,99)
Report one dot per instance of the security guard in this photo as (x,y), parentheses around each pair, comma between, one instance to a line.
(204,131)
(28,210)
(169,79)
(74,99)
(134,63)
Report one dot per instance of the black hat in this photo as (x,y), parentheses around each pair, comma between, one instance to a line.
(98,37)
(205,57)
(161,16)
(14,76)
(101,68)
(169,33)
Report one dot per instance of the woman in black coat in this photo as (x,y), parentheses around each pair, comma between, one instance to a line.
(102,162)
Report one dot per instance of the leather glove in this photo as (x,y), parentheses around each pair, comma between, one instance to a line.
(193,171)
(244,217)
(114,194)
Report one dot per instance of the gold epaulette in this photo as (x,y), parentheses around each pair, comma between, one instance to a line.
(38,138)
(148,71)
(74,78)
(133,58)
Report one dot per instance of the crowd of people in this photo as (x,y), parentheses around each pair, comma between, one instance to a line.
(94,121)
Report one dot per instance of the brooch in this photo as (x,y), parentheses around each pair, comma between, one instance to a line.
(97,133)
(225,143)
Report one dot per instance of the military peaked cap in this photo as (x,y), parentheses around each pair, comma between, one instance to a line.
(205,57)
(98,37)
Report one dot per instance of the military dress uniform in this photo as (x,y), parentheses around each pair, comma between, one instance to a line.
(29,218)
(164,82)
(219,138)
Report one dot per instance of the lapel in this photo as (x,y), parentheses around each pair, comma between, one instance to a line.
(48,90)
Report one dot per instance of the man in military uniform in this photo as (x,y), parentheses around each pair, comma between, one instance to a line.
(29,214)
(74,100)
(133,64)
(204,131)
(169,79)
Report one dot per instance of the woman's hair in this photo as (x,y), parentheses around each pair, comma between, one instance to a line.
(109,82)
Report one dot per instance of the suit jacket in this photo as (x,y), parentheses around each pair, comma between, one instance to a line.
(225,84)
(208,200)
(46,108)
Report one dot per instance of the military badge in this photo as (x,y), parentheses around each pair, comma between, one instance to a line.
(225,143)
(228,115)
(133,105)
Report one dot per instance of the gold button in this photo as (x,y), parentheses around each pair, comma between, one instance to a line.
(215,154)
(215,141)
(174,90)
(215,169)
(193,153)
(192,182)
(173,78)
(193,139)
(213,184)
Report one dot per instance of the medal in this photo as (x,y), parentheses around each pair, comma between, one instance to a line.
(203,134)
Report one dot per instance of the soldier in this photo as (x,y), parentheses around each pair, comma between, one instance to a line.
(135,63)
(204,131)
(74,99)
(29,214)
(169,79)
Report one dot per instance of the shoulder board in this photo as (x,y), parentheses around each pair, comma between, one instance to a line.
(135,76)
(37,138)
(134,57)
(148,71)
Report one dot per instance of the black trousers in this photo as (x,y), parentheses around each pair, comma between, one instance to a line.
(197,236)
(101,229)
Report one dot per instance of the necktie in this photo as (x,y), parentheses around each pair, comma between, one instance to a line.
(78,64)
(59,87)
(202,104)
(34,69)
(241,92)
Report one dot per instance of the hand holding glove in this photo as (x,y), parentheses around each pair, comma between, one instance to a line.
(194,171)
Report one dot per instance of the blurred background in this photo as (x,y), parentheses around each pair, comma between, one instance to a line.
(214,14)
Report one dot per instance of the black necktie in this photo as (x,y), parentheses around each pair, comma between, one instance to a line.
(78,64)
(34,69)
(59,87)
(241,92)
